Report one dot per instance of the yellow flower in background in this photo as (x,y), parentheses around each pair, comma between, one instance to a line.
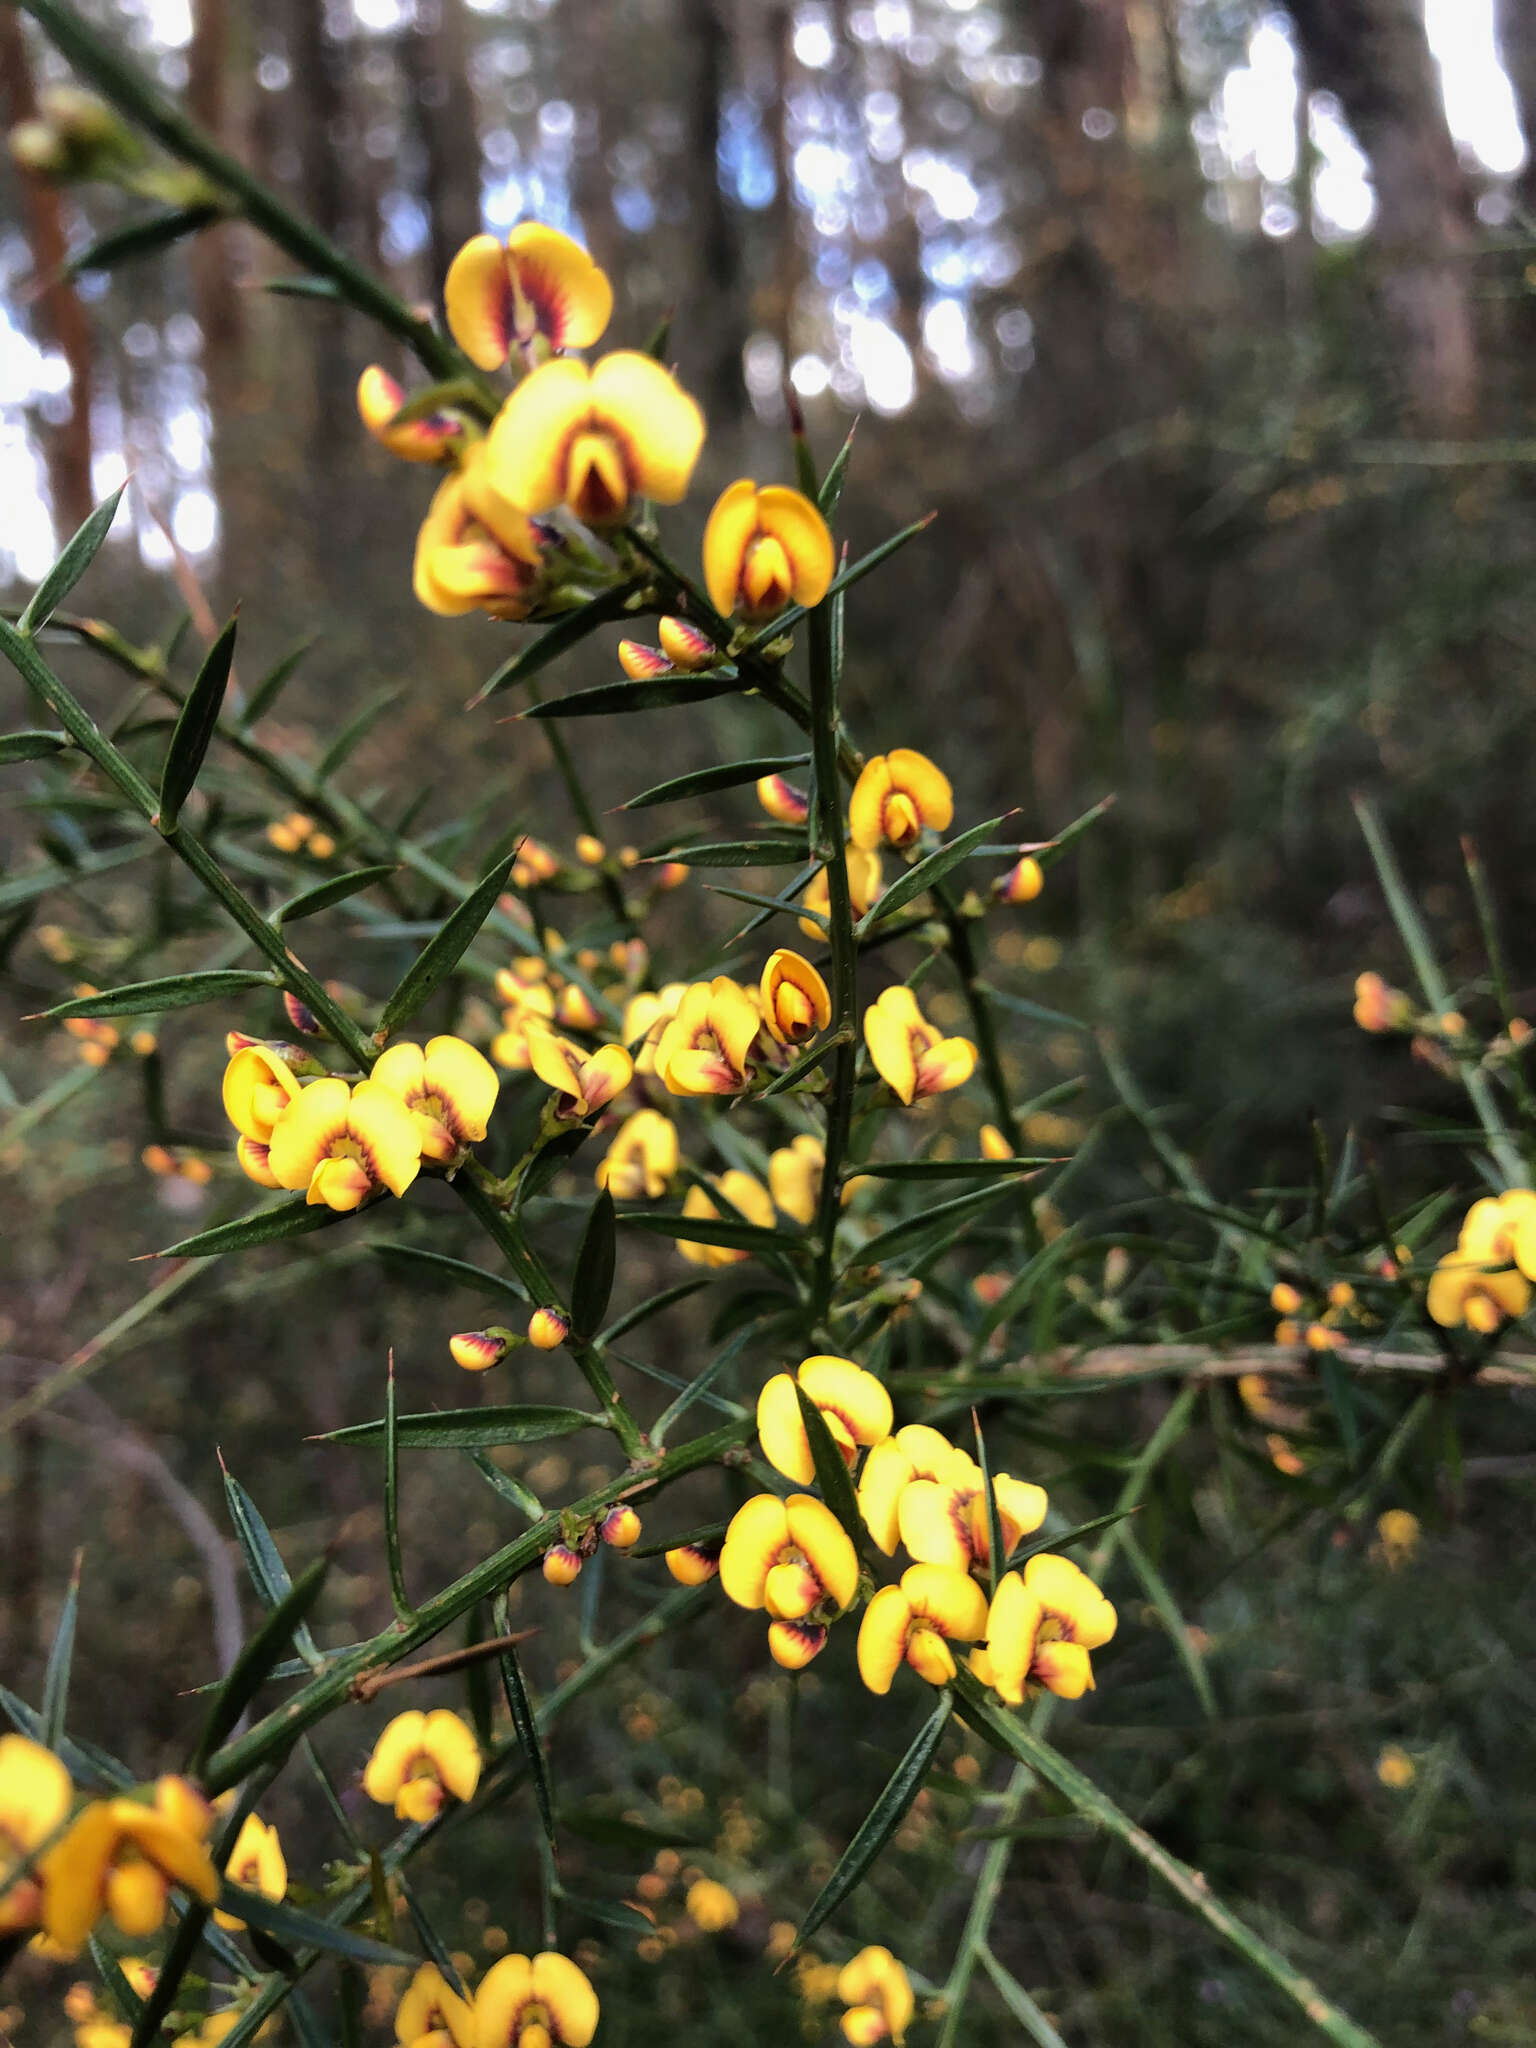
(1395,1768)
(794,999)
(795,1174)
(744,1194)
(1040,1627)
(594,438)
(863,887)
(878,1994)
(345,1144)
(525,2003)
(853,1403)
(432,2014)
(538,284)
(793,1558)
(711,1906)
(419,1760)
(764,549)
(1399,1533)
(646,1015)
(703,1049)
(896,795)
(215,2028)
(432,438)
(1486,1280)
(256,1864)
(993,1143)
(782,800)
(916,1451)
(122,1858)
(913,1057)
(35,1796)
(944,1521)
(582,1081)
(916,1621)
(1379,1007)
(474,551)
(642,1158)
(449,1088)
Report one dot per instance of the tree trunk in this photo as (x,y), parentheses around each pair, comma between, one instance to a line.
(719,272)
(219,310)
(61,318)
(1374,55)
(434,58)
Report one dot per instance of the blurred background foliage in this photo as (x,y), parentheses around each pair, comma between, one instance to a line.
(1207,328)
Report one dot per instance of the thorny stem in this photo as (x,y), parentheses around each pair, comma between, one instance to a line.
(844,989)
(437,1667)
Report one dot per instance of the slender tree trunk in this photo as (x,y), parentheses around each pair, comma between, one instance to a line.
(66,448)
(219,310)
(719,245)
(434,58)
(1375,56)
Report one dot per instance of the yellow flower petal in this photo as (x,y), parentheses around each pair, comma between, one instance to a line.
(855,1397)
(258,1086)
(781,1432)
(795,1175)
(379,1122)
(562,293)
(935,1523)
(1012,1620)
(727,534)
(792,1644)
(883,1638)
(393,1753)
(795,1001)
(888,1028)
(822,1540)
(527,446)
(660,426)
(950,1600)
(886,1475)
(477,298)
(758,1531)
(504,1991)
(567,1997)
(430,2006)
(454,1751)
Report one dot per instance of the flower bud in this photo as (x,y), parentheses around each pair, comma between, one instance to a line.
(672,874)
(692,1563)
(561,1564)
(685,644)
(144,1043)
(621,1527)
(1287,1333)
(640,663)
(993,1144)
(576,1009)
(590,850)
(782,801)
(1284,1299)
(301,1017)
(479,1350)
(548,1329)
(1023,881)
(1340,1294)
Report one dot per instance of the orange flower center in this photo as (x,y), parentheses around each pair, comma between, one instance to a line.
(901,821)
(792,1009)
(766,577)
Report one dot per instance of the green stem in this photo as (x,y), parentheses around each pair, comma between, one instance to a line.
(472,1186)
(1012,1736)
(330,1689)
(581,804)
(120,771)
(121,81)
(844,991)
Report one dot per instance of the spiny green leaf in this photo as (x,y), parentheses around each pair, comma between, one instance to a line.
(996,1554)
(293,1218)
(87,1763)
(782,905)
(768,850)
(728,775)
(1035,1545)
(881,1822)
(565,633)
(804,1067)
(327,894)
(707,1532)
(948,1216)
(441,1266)
(402,1605)
(353,733)
(32,745)
(723,1230)
(266,692)
(263,1559)
(524,1721)
(304,1930)
(924,874)
(656,693)
(170,992)
(443,953)
(302,287)
(142,238)
(195,727)
(643,1311)
(612,1831)
(461,1429)
(249,1671)
(61,1658)
(592,1284)
(124,1998)
(831,1471)
(950,1169)
(830,495)
(66,572)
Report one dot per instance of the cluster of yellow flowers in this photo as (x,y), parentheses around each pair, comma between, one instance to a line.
(520,2002)
(1487,1279)
(63,1868)
(793,1559)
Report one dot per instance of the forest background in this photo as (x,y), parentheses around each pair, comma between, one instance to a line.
(1207,331)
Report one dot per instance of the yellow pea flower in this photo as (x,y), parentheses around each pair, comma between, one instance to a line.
(431,2013)
(863,887)
(432,438)
(122,1858)
(909,1053)
(712,1907)
(794,999)
(257,1863)
(594,437)
(916,1451)
(878,1994)
(449,1088)
(642,1158)
(538,284)
(783,801)
(945,1521)
(764,549)
(259,1084)
(853,1403)
(795,1175)
(35,1795)
(344,1144)
(534,863)
(1486,1280)
(793,1558)
(474,550)
(1399,1532)
(896,795)
(582,1081)
(705,1047)
(418,1760)
(1040,1627)
(525,2003)
(646,1015)
(916,1621)
(744,1194)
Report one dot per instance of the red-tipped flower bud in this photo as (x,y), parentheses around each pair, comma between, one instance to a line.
(561,1564)
(548,1329)
(621,1527)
